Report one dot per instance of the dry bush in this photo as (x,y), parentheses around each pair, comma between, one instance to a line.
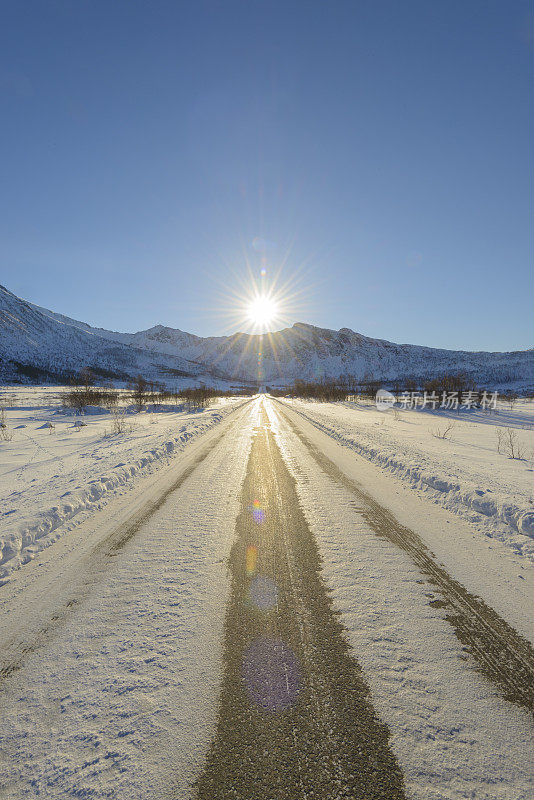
(79,397)
(196,399)
(508,443)
(139,389)
(6,434)
(511,398)
(83,393)
(324,391)
(110,399)
(456,382)
(118,421)
(444,431)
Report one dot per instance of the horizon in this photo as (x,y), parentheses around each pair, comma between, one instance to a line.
(261,333)
(374,162)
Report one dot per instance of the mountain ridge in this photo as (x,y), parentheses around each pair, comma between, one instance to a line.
(39,338)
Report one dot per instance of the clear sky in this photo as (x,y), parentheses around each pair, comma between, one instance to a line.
(382,151)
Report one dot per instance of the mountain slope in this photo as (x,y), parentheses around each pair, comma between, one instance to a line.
(311,353)
(40,338)
(38,344)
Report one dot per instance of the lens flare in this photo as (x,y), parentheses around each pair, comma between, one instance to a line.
(259,300)
(271,674)
(252,557)
(263,593)
(258,513)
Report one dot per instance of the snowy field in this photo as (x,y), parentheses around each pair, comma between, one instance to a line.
(118,651)
(51,478)
(452,736)
(119,697)
(464,472)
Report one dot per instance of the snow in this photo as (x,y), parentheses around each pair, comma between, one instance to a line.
(52,477)
(465,473)
(122,700)
(453,736)
(119,698)
(310,353)
(57,344)
(40,345)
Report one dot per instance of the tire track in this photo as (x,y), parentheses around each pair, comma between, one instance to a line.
(92,566)
(500,653)
(295,717)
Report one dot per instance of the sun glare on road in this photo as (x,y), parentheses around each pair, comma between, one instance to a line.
(262,311)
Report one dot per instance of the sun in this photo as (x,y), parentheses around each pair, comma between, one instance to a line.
(262,311)
(261,303)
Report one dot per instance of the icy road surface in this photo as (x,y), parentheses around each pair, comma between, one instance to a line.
(259,623)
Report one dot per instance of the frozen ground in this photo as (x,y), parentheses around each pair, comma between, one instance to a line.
(52,477)
(120,699)
(110,640)
(453,737)
(465,473)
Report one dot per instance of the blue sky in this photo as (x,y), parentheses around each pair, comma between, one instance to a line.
(383,150)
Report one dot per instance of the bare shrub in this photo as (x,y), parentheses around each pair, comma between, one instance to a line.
(444,431)
(110,397)
(82,393)
(324,391)
(508,443)
(450,382)
(74,398)
(156,392)
(139,389)
(511,398)
(118,421)
(6,434)
(198,398)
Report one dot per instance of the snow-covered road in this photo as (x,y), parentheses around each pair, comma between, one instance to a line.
(133,649)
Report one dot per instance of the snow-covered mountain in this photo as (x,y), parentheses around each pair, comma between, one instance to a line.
(311,353)
(35,337)
(38,345)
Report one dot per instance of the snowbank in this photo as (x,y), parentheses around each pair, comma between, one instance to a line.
(474,484)
(53,504)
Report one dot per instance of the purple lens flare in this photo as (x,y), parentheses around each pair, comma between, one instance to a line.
(271,674)
(263,593)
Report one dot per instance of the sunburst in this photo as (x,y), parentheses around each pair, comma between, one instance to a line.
(261,301)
